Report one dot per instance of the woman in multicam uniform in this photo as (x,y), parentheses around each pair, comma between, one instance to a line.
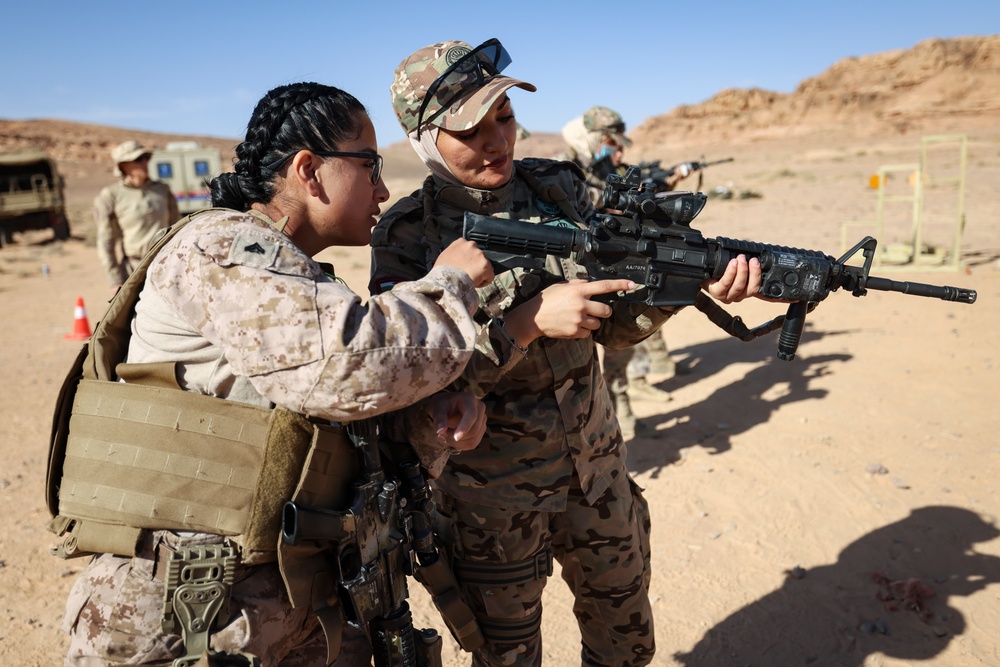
(549,477)
(236,300)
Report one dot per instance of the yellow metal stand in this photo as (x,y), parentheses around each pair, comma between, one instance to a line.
(908,251)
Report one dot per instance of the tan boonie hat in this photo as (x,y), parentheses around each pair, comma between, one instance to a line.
(128,151)
(420,70)
(607,121)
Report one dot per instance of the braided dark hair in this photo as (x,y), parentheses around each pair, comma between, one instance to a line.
(289,118)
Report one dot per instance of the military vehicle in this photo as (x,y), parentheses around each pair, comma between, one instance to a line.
(187,168)
(31,195)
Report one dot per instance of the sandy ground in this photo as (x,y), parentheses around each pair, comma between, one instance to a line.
(839,509)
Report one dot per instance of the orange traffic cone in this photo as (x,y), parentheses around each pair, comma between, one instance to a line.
(81,327)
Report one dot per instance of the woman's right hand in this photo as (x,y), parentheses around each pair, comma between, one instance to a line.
(467,256)
(563,311)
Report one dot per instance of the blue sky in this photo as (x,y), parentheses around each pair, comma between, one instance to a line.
(199,68)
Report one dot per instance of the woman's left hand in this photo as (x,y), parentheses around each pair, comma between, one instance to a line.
(458,417)
(742,279)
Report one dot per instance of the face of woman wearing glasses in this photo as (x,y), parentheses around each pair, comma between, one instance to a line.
(342,201)
(482,157)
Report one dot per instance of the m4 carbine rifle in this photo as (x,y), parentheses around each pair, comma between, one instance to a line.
(384,535)
(650,241)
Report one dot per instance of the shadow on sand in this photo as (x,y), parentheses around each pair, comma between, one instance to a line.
(731,409)
(890,592)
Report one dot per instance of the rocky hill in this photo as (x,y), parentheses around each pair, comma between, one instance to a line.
(938,85)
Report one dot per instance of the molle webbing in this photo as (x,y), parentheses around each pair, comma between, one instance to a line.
(156,458)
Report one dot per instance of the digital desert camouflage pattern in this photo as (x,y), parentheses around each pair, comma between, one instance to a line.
(248,317)
(549,412)
(415,75)
(241,308)
(113,616)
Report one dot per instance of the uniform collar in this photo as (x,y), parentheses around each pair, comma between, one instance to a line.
(479,201)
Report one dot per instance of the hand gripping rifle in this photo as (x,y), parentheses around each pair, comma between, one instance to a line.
(651,242)
(380,538)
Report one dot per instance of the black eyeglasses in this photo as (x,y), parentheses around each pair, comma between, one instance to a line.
(375,175)
(486,60)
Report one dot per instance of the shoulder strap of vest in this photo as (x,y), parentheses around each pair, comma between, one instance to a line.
(551,193)
(109,342)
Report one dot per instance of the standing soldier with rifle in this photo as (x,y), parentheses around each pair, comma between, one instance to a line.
(227,476)
(597,143)
(549,481)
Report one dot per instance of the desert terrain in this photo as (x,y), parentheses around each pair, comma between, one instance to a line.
(840,509)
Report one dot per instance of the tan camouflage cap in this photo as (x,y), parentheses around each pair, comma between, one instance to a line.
(607,121)
(415,75)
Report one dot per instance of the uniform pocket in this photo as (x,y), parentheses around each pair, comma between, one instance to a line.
(114,613)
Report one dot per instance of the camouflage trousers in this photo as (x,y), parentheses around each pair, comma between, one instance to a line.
(114,609)
(604,553)
(627,363)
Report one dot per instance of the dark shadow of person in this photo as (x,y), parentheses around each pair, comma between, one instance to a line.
(746,403)
(889,593)
(704,359)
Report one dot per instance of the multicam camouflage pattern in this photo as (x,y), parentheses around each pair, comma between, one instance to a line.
(415,75)
(604,551)
(114,609)
(608,122)
(127,219)
(248,317)
(553,457)
(549,411)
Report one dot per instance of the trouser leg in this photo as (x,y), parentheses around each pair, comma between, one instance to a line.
(493,555)
(605,557)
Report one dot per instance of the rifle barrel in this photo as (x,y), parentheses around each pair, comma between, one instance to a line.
(943,292)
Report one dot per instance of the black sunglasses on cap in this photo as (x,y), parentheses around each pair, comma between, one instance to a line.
(375,175)
(485,61)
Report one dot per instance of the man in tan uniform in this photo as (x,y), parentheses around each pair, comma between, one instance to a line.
(128,213)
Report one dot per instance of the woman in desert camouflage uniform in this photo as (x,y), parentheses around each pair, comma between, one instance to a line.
(237,302)
(549,479)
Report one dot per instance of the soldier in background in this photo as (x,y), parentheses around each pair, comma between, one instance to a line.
(236,307)
(597,143)
(130,212)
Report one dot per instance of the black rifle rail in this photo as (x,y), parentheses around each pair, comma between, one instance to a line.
(652,243)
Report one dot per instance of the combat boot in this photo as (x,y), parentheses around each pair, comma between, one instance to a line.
(662,364)
(639,388)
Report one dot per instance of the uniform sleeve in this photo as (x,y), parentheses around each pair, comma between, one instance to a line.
(109,236)
(398,257)
(306,342)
